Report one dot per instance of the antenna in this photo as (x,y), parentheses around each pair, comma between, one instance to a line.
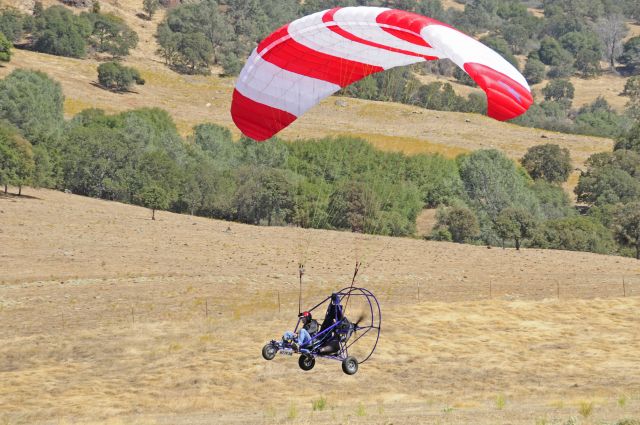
(300,274)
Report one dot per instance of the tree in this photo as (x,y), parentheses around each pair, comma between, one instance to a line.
(13,23)
(353,206)
(559,90)
(632,89)
(155,198)
(627,225)
(492,183)
(548,162)
(552,53)
(587,49)
(631,54)
(611,30)
(116,77)
(460,223)
(5,48)
(265,194)
(150,7)
(16,158)
(574,234)
(59,32)
(33,102)
(534,71)
(630,140)
(607,185)
(515,223)
(111,34)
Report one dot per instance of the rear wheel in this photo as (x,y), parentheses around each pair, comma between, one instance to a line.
(269,351)
(306,362)
(350,365)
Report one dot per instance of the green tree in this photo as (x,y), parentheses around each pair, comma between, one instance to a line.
(264,194)
(492,183)
(150,7)
(110,34)
(552,53)
(534,71)
(548,162)
(559,90)
(117,77)
(16,158)
(33,102)
(627,225)
(574,234)
(632,89)
(515,223)
(587,49)
(607,185)
(353,206)
(13,23)
(59,32)
(630,140)
(631,54)
(155,198)
(459,223)
(5,48)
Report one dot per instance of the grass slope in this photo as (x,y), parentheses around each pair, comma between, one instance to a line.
(104,316)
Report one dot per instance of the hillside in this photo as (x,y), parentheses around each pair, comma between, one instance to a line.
(196,99)
(111,317)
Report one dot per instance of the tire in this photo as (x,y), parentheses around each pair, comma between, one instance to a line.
(306,362)
(269,351)
(350,365)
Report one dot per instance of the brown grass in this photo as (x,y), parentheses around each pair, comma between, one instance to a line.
(103,315)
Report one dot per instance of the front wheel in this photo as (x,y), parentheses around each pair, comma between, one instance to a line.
(306,362)
(269,351)
(350,365)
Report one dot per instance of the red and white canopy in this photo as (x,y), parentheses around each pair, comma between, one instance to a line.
(312,57)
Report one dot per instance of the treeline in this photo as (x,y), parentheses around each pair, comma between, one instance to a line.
(56,30)
(483,197)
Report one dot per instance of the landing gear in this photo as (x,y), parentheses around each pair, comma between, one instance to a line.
(269,351)
(350,365)
(306,362)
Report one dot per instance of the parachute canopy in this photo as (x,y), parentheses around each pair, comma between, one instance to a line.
(312,57)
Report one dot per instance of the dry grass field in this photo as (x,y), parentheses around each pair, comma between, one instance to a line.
(110,317)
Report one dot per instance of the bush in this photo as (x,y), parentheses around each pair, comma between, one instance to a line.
(534,71)
(559,90)
(33,102)
(116,77)
(574,234)
(548,162)
(5,48)
(60,32)
(457,224)
(631,54)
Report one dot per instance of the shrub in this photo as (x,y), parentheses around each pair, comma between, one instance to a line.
(548,162)
(5,48)
(116,77)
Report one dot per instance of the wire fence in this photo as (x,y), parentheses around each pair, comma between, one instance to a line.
(88,311)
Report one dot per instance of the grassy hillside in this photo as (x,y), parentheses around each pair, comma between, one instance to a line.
(111,317)
(196,99)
